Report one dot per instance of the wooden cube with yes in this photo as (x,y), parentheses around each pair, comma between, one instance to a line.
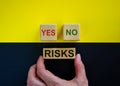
(48,32)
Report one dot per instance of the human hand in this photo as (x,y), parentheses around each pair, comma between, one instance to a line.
(39,76)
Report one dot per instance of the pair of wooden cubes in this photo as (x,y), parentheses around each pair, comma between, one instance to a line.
(70,32)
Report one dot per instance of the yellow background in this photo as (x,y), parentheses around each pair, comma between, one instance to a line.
(20,19)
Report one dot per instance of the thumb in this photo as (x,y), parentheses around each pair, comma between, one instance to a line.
(79,67)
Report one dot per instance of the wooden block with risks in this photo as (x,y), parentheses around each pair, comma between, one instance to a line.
(59,53)
(48,32)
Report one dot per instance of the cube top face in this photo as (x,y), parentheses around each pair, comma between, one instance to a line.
(48,32)
(49,26)
(71,31)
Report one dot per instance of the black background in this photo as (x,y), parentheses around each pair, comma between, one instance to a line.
(101,62)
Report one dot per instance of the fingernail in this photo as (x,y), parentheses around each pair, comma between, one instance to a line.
(40,56)
(78,57)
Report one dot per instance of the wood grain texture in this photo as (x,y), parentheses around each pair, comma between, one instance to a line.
(71,32)
(59,53)
(48,31)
